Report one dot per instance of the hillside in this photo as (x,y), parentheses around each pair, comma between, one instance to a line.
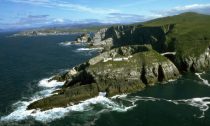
(190,30)
(135,57)
(187,35)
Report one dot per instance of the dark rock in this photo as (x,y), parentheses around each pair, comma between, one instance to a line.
(83,38)
(69,96)
(128,64)
(195,64)
(117,36)
(120,70)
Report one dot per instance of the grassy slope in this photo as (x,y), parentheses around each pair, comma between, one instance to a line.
(143,57)
(191,34)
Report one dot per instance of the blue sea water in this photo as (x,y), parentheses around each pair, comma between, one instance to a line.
(27,62)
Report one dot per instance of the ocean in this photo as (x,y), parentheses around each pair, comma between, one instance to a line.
(26,63)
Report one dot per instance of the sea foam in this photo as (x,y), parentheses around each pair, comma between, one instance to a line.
(89,49)
(49,84)
(21,113)
(49,115)
(201,103)
(204,80)
(65,43)
(119,103)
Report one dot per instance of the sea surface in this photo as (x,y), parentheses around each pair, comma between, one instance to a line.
(26,63)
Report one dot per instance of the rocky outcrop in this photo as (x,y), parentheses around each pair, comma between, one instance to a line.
(195,64)
(131,60)
(99,36)
(121,70)
(83,38)
(162,39)
(123,35)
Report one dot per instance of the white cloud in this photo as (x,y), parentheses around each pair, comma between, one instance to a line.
(199,8)
(109,15)
(66,5)
(59,20)
(192,7)
(32,19)
(125,18)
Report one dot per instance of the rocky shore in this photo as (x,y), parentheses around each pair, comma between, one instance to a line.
(131,60)
(121,70)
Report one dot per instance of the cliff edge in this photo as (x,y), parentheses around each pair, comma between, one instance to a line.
(135,57)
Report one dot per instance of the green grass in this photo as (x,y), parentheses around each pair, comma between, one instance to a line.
(139,58)
(188,34)
(191,34)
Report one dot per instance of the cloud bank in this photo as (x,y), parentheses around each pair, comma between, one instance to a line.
(199,8)
(126,18)
(107,15)
(66,5)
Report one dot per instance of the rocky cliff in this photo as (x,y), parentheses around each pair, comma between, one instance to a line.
(135,57)
(117,36)
(121,70)
(171,34)
(195,63)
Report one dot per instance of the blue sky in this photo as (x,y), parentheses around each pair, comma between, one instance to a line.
(16,14)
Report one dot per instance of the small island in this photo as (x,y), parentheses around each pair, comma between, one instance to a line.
(135,57)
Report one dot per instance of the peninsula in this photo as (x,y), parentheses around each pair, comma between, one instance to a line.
(135,57)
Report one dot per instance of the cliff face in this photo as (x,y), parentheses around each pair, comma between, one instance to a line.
(120,70)
(191,46)
(117,36)
(195,63)
(128,65)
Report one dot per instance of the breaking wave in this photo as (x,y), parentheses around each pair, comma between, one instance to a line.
(51,84)
(204,80)
(65,43)
(119,103)
(89,49)
(21,113)
(201,103)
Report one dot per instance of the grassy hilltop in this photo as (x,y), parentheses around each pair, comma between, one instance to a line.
(190,34)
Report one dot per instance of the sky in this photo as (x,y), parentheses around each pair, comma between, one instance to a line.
(16,14)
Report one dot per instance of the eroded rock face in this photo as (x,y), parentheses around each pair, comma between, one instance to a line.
(129,69)
(83,38)
(158,37)
(123,69)
(196,64)
(99,36)
(123,35)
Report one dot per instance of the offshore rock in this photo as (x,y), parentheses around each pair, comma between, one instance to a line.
(83,38)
